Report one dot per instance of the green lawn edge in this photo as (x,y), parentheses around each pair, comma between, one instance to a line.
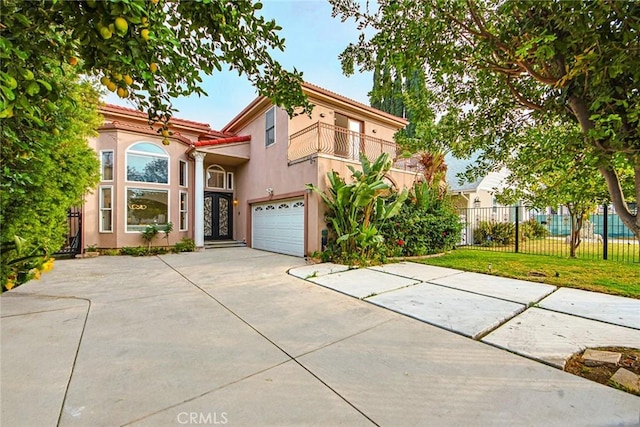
(608,277)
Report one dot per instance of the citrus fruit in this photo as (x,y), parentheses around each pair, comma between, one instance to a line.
(111,86)
(121,25)
(153,67)
(105,33)
(144,34)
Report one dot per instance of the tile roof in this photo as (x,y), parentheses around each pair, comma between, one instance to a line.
(137,113)
(221,141)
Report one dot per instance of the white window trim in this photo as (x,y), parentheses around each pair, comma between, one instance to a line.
(186,173)
(101,208)
(185,211)
(274,127)
(126,206)
(144,153)
(113,165)
(230,180)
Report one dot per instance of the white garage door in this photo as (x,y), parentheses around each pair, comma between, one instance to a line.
(278,226)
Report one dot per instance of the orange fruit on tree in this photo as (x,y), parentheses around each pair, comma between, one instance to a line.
(73,61)
(128,80)
(122,92)
(153,67)
(144,34)
(111,86)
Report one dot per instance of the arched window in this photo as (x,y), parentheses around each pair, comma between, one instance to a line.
(216,177)
(147,162)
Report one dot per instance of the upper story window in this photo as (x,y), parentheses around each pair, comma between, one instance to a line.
(183,173)
(106,165)
(270,127)
(147,162)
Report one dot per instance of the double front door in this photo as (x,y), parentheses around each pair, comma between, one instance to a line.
(218,216)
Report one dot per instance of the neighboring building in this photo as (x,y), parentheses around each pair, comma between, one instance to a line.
(478,194)
(245,183)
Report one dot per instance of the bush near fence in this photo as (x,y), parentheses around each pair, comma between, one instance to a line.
(495,228)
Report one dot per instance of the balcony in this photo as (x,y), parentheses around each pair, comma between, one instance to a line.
(340,142)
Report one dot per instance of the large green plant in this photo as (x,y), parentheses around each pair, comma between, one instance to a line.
(46,169)
(357,209)
(427,223)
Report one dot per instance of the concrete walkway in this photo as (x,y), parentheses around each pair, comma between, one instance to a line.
(228,337)
(531,319)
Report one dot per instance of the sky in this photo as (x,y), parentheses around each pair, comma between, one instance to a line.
(313,41)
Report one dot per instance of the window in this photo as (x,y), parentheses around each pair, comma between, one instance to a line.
(229,180)
(147,162)
(106,211)
(184,211)
(216,177)
(270,127)
(106,165)
(183,174)
(146,207)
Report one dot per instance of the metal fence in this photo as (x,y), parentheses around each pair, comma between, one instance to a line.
(73,243)
(603,235)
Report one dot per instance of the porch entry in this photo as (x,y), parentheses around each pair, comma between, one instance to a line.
(218,216)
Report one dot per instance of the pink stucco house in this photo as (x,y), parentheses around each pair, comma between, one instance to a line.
(246,182)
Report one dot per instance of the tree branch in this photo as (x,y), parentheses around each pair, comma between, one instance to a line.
(521,98)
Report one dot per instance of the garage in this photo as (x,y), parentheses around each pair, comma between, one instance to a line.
(278,226)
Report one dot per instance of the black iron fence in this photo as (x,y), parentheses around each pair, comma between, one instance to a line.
(73,244)
(524,230)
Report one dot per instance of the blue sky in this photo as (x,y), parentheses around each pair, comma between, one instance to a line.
(313,41)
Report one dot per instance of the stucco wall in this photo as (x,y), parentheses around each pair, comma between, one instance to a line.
(119,141)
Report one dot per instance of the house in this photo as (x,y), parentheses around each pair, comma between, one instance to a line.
(246,182)
(477,194)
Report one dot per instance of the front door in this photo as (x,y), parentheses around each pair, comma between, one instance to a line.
(218,216)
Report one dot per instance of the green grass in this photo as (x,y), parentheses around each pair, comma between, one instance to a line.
(592,275)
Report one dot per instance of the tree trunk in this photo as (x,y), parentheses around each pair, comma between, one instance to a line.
(632,221)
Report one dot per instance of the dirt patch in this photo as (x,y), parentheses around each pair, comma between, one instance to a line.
(602,374)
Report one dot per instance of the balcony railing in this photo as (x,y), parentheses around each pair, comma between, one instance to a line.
(341,142)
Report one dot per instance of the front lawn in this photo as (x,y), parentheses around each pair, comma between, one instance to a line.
(592,275)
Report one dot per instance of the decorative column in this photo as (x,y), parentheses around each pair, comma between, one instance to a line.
(198,222)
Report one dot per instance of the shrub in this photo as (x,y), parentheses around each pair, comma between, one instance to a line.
(134,251)
(532,229)
(493,233)
(426,224)
(185,245)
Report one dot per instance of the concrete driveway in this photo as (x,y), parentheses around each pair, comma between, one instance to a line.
(226,336)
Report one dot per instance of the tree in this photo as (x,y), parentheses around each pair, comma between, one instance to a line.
(494,67)
(148,51)
(44,173)
(545,174)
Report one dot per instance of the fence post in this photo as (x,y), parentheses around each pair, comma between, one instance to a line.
(605,231)
(517,228)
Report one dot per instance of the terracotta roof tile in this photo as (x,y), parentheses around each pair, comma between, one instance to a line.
(229,140)
(140,114)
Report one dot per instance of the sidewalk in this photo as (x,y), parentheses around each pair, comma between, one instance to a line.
(535,320)
(228,337)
